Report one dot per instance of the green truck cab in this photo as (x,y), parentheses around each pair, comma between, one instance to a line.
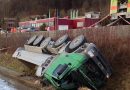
(72,70)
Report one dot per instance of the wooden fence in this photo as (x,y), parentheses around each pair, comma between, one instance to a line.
(100,36)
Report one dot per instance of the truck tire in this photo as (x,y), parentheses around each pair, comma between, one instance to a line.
(31,40)
(77,42)
(61,40)
(38,40)
(45,82)
(45,42)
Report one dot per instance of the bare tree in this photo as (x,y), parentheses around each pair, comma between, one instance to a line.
(22,8)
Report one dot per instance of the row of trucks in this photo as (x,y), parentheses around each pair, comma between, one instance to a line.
(66,64)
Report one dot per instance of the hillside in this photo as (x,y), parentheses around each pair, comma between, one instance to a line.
(23,8)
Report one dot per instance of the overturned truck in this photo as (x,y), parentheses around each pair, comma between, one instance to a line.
(64,63)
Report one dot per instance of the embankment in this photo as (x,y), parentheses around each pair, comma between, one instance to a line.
(114,43)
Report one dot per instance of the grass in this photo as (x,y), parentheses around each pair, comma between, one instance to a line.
(7,61)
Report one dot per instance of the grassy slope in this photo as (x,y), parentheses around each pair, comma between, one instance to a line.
(6,60)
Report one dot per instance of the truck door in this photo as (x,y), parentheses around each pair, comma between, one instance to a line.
(113,6)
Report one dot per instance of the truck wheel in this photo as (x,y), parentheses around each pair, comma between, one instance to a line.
(77,42)
(61,40)
(31,40)
(38,40)
(45,42)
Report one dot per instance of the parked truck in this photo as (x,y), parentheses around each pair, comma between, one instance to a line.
(66,64)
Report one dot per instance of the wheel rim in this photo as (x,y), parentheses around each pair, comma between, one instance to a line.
(77,42)
(45,42)
(31,40)
(38,40)
(61,40)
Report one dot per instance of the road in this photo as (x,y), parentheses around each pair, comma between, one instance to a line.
(11,80)
(4,85)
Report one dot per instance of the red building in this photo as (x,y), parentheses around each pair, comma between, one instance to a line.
(52,23)
(78,23)
(63,24)
(9,23)
(60,23)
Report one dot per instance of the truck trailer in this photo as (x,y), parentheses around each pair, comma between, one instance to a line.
(66,64)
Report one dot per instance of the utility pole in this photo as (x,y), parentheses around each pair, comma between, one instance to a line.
(49,21)
(57,17)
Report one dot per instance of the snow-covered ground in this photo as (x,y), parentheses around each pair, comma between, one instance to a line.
(5,85)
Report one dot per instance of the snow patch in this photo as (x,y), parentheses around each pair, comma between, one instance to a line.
(4,85)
